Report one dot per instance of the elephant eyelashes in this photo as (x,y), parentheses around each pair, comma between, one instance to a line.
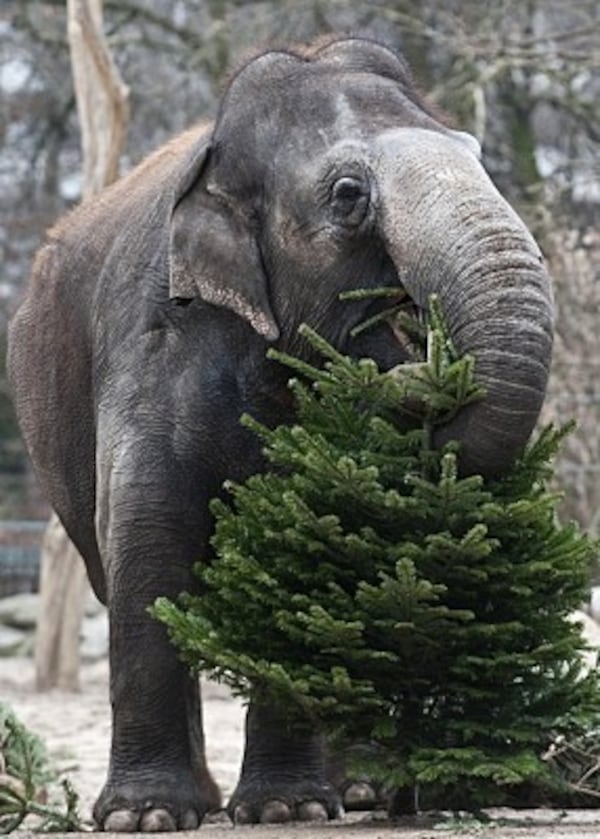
(349,200)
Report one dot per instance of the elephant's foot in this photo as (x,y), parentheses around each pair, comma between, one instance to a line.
(283,772)
(358,792)
(278,802)
(360,795)
(148,803)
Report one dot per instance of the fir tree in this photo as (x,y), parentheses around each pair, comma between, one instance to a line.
(26,779)
(375,593)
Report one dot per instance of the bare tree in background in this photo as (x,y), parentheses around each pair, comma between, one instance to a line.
(103,109)
(102,97)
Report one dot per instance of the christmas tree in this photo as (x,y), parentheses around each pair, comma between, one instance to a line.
(375,593)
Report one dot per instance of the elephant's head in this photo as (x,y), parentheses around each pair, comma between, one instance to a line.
(325,172)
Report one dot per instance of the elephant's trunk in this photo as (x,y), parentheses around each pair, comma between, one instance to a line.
(449,231)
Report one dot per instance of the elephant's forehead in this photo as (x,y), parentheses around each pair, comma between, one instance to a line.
(276,129)
(369,106)
(312,100)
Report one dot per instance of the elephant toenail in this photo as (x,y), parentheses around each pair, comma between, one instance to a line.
(189,820)
(157,821)
(121,821)
(275,812)
(242,815)
(312,811)
(360,796)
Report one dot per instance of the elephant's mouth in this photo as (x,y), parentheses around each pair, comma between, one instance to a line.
(408,327)
(392,329)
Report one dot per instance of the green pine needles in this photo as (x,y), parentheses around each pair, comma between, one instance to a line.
(376,594)
(27,781)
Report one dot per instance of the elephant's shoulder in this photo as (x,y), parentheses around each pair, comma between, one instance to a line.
(138,201)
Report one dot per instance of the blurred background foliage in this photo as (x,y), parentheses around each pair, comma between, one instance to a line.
(522,75)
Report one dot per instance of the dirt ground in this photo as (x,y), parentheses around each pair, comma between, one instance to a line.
(76,727)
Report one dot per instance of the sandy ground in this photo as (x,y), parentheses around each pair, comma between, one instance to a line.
(76,730)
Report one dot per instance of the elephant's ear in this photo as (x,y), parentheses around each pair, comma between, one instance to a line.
(212,253)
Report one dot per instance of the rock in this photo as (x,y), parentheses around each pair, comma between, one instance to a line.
(594,606)
(20,611)
(591,634)
(94,637)
(93,606)
(11,641)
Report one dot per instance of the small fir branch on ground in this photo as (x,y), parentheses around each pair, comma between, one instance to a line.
(26,779)
(376,594)
(577,762)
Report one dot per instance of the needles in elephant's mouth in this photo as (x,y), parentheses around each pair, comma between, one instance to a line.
(408,323)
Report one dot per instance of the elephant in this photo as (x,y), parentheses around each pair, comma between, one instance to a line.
(143,338)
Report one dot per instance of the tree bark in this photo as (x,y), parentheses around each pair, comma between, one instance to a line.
(103,108)
(63,588)
(102,97)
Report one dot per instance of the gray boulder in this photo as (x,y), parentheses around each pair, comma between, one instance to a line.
(20,611)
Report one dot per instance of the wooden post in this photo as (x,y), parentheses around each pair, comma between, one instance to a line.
(63,589)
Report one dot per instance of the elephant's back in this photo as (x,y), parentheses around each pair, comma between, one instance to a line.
(124,225)
(107,255)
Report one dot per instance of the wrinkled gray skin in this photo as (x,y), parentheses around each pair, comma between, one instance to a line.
(323,172)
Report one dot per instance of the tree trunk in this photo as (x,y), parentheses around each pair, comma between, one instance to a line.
(102,104)
(102,98)
(63,587)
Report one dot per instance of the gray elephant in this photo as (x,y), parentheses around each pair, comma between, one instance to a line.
(143,338)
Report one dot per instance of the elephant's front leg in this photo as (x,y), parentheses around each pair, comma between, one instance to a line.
(283,773)
(158,778)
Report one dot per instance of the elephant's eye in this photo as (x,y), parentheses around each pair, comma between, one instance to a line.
(349,200)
